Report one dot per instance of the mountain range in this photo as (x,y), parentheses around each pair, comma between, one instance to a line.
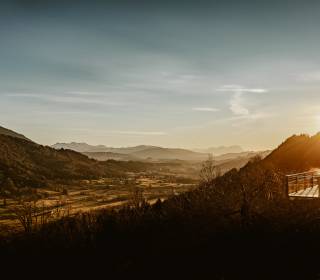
(146,152)
(141,152)
(298,153)
(28,163)
(217,151)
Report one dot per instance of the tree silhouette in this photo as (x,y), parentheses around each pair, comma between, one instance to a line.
(209,171)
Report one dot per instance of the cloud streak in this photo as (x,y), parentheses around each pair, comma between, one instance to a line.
(310,77)
(237,105)
(68,99)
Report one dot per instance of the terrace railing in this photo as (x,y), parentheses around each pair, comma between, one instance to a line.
(305,184)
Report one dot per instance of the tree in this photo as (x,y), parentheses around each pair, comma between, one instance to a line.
(136,197)
(209,171)
(258,187)
(26,208)
(25,211)
(6,188)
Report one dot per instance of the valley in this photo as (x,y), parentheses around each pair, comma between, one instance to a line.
(86,195)
(41,184)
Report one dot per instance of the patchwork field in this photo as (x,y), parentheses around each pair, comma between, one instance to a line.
(87,195)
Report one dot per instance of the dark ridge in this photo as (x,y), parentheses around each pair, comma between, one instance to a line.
(8,132)
(296,154)
(31,165)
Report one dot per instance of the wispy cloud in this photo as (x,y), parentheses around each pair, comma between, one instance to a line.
(66,98)
(310,77)
(22,94)
(85,93)
(237,120)
(237,105)
(205,109)
(238,88)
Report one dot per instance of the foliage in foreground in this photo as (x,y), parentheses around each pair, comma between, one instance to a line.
(233,226)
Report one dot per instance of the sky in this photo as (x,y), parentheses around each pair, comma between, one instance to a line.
(189,74)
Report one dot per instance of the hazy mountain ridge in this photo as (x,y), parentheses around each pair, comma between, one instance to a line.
(140,152)
(103,156)
(80,147)
(221,150)
(169,154)
(84,147)
(146,152)
(248,154)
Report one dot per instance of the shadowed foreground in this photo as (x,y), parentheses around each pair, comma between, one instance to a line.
(237,226)
(173,247)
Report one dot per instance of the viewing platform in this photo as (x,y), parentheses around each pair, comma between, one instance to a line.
(303,185)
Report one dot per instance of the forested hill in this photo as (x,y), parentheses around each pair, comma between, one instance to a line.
(32,165)
(8,132)
(28,163)
(298,153)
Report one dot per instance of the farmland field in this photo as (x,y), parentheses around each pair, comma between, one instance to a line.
(86,195)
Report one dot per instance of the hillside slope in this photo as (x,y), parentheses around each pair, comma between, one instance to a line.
(169,153)
(8,132)
(31,164)
(248,155)
(103,156)
(80,147)
(298,153)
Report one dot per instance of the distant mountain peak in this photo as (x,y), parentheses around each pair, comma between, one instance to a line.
(80,147)
(220,150)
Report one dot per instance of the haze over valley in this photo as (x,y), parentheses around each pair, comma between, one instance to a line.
(145,152)
(92,177)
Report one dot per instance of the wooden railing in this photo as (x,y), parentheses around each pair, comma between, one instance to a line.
(302,181)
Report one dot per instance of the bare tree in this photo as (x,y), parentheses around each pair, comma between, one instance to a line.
(137,198)
(26,210)
(209,171)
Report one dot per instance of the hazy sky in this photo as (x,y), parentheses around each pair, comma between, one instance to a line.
(170,73)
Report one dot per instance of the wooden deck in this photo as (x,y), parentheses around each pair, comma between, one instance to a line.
(307,192)
(303,185)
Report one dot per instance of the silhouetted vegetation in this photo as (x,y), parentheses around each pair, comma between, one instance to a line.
(236,225)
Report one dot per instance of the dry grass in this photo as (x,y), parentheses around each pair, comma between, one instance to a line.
(90,195)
